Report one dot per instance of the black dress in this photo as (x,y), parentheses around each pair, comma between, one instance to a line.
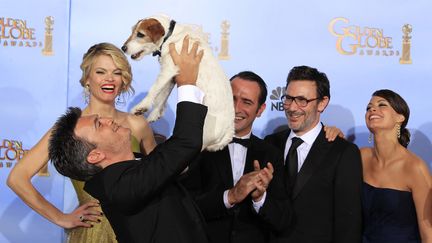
(389,216)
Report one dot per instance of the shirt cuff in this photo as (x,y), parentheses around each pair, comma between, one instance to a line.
(257,205)
(225,200)
(190,93)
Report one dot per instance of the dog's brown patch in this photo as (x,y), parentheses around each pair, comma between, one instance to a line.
(152,28)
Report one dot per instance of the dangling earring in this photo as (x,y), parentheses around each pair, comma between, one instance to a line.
(86,93)
(118,101)
(398,127)
(370,138)
(122,91)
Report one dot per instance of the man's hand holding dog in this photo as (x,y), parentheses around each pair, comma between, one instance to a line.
(187,62)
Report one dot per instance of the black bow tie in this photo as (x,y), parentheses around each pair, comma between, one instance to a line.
(245,142)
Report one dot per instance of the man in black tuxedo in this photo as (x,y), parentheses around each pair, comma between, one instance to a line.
(323,178)
(140,198)
(240,201)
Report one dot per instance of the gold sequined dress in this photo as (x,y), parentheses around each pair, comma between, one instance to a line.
(100,232)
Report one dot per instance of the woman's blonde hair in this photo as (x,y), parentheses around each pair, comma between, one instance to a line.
(119,59)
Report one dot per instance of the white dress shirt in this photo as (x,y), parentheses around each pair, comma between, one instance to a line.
(238,158)
(190,93)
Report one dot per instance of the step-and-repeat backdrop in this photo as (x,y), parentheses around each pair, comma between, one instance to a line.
(361,45)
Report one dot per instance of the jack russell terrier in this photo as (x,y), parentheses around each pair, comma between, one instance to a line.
(153,36)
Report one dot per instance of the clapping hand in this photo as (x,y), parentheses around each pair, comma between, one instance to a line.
(265,175)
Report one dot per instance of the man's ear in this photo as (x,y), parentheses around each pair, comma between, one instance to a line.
(322,104)
(261,109)
(95,156)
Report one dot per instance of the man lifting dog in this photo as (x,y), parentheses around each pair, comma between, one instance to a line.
(140,198)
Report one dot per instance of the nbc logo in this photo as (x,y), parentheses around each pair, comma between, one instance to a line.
(275,97)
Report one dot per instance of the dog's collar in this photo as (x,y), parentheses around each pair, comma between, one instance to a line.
(170,31)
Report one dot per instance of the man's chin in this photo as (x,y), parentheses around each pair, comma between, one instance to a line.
(237,126)
(295,127)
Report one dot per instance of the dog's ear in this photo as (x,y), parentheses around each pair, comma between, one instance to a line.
(155,30)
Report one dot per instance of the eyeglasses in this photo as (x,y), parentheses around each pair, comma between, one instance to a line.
(299,100)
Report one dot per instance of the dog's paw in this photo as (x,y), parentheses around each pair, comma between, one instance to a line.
(139,110)
(154,116)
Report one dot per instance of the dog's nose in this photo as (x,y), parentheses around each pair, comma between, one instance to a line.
(124,48)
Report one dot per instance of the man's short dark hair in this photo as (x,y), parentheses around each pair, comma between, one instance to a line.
(251,76)
(67,152)
(312,74)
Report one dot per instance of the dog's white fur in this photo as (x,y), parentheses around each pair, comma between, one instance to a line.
(219,122)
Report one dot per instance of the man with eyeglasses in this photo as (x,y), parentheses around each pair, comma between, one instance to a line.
(322,178)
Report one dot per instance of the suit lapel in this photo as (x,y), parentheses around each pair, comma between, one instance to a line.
(223,163)
(107,178)
(251,154)
(314,158)
(282,139)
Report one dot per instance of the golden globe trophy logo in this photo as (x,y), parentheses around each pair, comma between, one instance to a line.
(16,32)
(406,45)
(11,152)
(221,52)
(275,97)
(48,50)
(366,41)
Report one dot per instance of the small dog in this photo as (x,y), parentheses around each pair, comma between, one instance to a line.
(153,35)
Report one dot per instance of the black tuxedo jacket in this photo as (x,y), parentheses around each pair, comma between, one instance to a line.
(211,175)
(142,199)
(326,194)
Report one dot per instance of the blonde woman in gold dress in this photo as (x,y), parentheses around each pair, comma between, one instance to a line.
(106,75)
